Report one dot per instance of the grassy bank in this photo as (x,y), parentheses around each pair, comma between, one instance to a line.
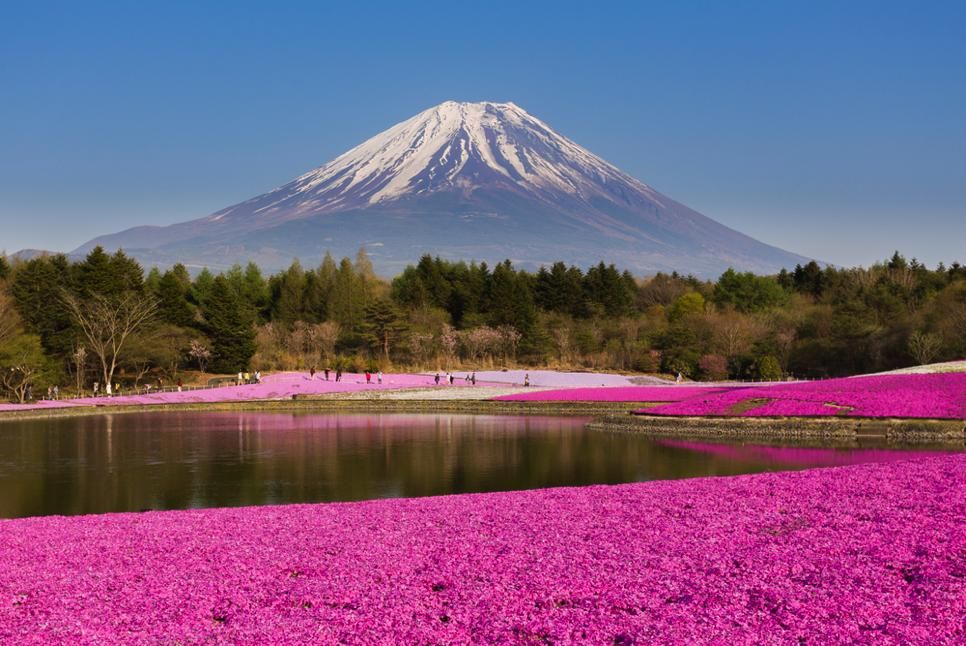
(838,428)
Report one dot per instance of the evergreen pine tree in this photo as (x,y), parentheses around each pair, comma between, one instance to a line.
(230,325)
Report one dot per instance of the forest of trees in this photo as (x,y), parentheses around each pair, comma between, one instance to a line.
(103,319)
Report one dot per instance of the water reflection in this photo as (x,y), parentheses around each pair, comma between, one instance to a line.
(175,460)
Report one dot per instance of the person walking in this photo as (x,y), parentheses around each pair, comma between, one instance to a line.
(473,378)
(180,385)
(97,387)
(258,376)
(379,377)
(238,382)
(452,379)
(526,380)
(312,373)
(368,377)
(326,374)
(437,378)
(338,375)
(56,392)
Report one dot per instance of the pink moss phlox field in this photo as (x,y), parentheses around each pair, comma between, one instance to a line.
(936,396)
(872,553)
(614,394)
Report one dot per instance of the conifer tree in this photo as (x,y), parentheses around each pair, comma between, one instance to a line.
(230,325)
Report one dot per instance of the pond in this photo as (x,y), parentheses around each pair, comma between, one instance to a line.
(179,460)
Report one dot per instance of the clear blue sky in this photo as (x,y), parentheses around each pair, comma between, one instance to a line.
(837,130)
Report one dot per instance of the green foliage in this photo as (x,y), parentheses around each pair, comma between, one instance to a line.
(769,369)
(24,367)
(383,326)
(687,305)
(231,326)
(36,288)
(747,292)
(174,293)
(812,321)
(288,295)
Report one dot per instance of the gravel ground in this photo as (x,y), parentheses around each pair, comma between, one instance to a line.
(441,393)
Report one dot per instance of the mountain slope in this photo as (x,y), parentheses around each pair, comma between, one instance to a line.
(483,181)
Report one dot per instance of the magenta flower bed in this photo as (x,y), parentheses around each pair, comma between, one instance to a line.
(619,394)
(936,396)
(870,554)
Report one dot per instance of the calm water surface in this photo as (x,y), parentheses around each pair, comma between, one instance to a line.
(178,460)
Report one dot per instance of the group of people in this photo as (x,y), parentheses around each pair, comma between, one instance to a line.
(108,390)
(450,378)
(369,377)
(248,378)
(327,372)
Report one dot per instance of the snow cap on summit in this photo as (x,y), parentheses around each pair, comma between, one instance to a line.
(456,142)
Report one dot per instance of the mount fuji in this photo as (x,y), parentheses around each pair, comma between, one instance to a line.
(484,181)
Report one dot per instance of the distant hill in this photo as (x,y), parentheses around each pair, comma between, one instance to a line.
(484,181)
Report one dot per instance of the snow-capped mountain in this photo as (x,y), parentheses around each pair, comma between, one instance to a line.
(484,181)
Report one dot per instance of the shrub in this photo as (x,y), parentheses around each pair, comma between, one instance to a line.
(713,367)
(769,369)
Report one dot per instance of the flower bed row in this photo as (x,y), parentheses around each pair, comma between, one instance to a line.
(868,553)
(935,396)
(614,394)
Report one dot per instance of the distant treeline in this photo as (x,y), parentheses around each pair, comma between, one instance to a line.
(102,319)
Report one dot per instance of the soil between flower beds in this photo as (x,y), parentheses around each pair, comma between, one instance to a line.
(868,553)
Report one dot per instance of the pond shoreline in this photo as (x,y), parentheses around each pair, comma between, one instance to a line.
(840,428)
(335,405)
(609,416)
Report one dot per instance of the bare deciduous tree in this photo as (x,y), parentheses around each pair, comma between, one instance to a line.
(924,346)
(79,359)
(200,354)
(480,342)
(511,339)
(449,341)
(562,339)
(734,333)
(421,347)
(108,324)
(323,338)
